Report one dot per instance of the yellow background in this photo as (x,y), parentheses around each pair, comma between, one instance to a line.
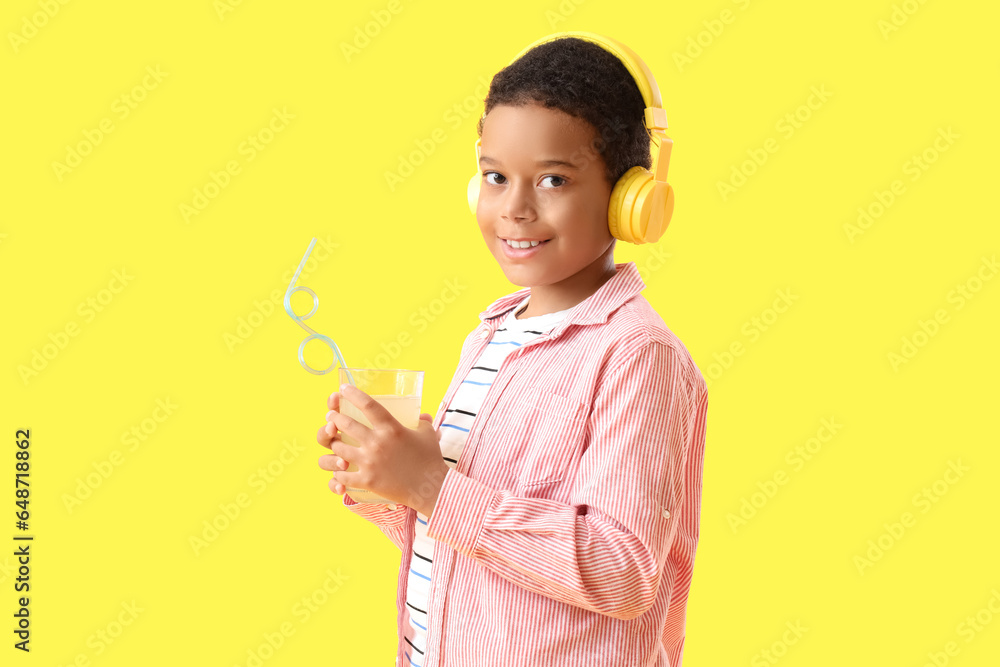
(164,334)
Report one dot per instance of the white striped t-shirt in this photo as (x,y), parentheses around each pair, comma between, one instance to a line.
(512,334)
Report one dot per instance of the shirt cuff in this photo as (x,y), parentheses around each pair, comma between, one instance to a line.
(379,513)
(460,512)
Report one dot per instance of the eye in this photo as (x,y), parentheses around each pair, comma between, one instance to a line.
(487,175)
(560,180)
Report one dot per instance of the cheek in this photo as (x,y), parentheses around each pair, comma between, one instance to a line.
(591,216)
(484,213)
(489,238)
(599,213)
(593,203)
(486,229)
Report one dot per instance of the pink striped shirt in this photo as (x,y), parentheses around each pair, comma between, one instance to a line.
(566,532)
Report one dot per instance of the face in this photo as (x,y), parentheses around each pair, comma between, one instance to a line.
(544,181)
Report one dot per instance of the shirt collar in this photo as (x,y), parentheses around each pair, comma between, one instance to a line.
(595,309)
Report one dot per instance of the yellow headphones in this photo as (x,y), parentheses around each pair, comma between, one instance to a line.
(641,201)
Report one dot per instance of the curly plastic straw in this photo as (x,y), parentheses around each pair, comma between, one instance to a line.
(338,357)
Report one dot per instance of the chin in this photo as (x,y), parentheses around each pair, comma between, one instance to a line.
(518,276)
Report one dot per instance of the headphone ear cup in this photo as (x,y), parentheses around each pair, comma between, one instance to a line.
(473,191)
(630,207)
(622,201)
(653,232)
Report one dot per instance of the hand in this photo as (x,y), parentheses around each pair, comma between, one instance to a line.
(328,433)
(400,464)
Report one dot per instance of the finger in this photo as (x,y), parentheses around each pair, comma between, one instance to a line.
(323,437)
(332,462)
(328,432)
(424,424)
(375,413)
(426,417)
(337,487)
(343,480)
(346,452)
(330,428)
(348,426)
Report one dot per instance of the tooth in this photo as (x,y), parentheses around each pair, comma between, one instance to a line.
(534,243)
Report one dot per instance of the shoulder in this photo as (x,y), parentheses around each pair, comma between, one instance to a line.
(637,330)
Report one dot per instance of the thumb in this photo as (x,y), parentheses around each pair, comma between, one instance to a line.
(426,422)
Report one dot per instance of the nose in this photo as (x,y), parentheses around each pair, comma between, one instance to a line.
(518,203)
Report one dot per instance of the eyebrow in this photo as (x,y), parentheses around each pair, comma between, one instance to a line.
(540,163)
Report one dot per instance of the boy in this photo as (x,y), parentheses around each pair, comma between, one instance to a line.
(549,513)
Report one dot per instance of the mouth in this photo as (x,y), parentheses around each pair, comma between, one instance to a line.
(520,248)
(524,243)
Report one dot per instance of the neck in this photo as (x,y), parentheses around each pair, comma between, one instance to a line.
(566,294)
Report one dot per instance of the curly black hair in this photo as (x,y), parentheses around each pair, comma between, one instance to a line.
(583,80)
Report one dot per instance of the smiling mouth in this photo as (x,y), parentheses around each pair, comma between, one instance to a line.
(523,244)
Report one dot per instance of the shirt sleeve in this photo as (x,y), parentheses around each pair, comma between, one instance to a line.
(390,518)
(605,550)
(390,521)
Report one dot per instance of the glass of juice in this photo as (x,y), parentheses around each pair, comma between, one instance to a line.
(397,390)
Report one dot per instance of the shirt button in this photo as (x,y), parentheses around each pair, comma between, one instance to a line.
(392,506)
(483,334)
(666,514)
